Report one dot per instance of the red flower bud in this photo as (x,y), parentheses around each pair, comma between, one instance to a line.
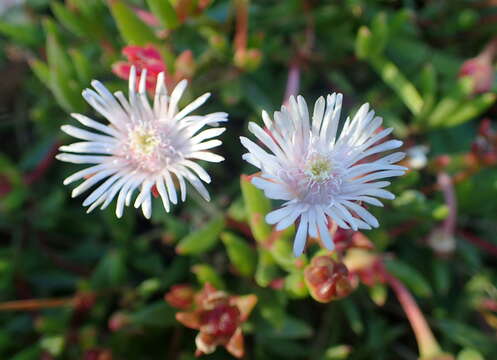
(327,279)
(480,69)
(117,321)
(97,354)
(180,296)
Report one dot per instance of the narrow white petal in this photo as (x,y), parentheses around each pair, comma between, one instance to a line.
(207,156)
(300,237)
(170,187)
(86,135)
(85,172)
(82,159)
(92,181)
(163,193)
(192,106)
(206,145)
(324,232)
(175,98)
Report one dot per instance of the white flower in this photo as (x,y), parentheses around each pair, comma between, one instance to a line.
(321,175)
(143,146)
(416,156)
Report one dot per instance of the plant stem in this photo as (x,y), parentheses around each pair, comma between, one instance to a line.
(427,344)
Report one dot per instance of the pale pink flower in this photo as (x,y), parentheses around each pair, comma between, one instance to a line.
(320,175)
(143,146)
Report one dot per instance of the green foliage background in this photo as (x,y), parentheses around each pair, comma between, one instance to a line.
(402,56)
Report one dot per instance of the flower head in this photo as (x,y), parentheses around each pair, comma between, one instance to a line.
(143,146)
(218,317)
(321,175)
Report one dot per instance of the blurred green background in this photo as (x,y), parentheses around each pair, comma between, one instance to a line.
(96,284)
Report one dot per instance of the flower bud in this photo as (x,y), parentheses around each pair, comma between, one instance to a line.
(327,279)
(97,354)
(185,65)
(117,321)
(180,296)
(218,317)
(480,69)
(248,60)
(442,242)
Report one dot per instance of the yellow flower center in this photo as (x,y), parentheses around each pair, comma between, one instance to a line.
(319,168)
(145,141)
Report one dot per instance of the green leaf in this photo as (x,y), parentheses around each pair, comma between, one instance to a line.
(14,198)
(56,54)
(364,44)
(467,336)
(83,67)
(206,274)
(338,352)
(54,345)
(449,103)
(394,78)
(266,270)
(295,284)
(70,20)
(201,240)
(290,328)
(31,353)
(66,90)
(242,256)
(470,110)
(282,253)
(110,272)
(159,314)
(378,293)
(353,316)
(132,29)
(26,34)
(411,277)
(470,354)
(41,70)
(380,30)
(428,85)
(257,207)
(164,12)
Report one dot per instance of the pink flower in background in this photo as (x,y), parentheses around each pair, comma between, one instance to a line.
(481,70)
(147,17)
(146,57)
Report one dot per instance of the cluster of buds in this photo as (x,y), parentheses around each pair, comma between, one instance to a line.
(217,316)
(327,279)
(481,71)
(345,239)
(98,354)
(149,58)
(484,148)
(365,266)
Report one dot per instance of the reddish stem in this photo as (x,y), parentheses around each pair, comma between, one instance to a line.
(447,187)
(240,41)
(240,226)
(427,344)
(482,244)
(42,166)
(36,304)
(293,81)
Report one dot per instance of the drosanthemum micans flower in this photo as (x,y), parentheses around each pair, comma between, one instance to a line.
(320,175)
(143,146)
